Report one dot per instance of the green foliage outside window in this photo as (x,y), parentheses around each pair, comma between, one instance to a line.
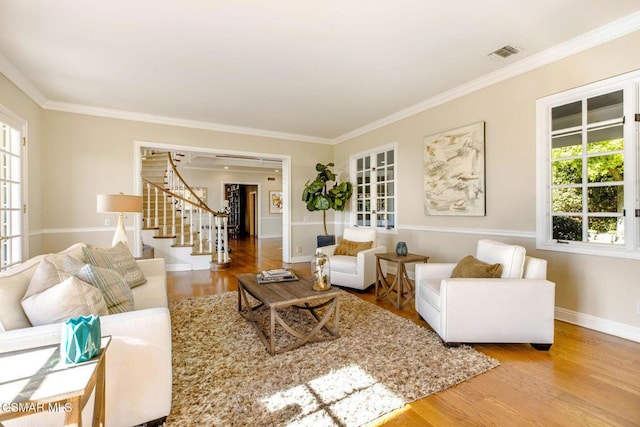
(600,169)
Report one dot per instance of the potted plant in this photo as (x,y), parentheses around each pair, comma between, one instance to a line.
(318,197)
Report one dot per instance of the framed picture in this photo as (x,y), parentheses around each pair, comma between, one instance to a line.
(275,202)
(454,176)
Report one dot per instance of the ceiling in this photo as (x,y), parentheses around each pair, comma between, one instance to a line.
(316,70)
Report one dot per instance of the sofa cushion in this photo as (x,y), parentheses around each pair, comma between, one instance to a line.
(46,275)
(351,248)
(115,290)
(470,267)
(511,257)
(343,264)
(117,258)
(70,298)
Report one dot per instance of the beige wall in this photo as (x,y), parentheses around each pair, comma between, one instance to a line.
(92,155)
(607,288)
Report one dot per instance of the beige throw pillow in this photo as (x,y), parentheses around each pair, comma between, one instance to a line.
(117,258)
(115,290)
(351,248)
(70,298)
(470,267)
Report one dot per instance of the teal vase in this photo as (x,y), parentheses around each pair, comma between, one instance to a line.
(401,249)
(80,339)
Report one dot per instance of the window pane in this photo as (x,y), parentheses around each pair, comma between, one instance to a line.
(606,230)
(566,200)
(390,204)
(566,116)
(603,146)
(380,175)
(608,138)
(391,221)
(390,173)
(606,199)
(359,164)
(367,177)
(390,189)
(380,205)
(380,160)
(605,107)
(381,192)
(566,172)
(567,228)
(367,162)
(605,168)
(390,157)
(566,145)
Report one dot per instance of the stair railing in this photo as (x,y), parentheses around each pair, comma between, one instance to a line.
(179,203)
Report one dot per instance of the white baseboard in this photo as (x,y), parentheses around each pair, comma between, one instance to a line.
(186,267)
(599,324)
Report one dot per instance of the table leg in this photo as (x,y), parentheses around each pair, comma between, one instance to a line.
(99,399)
(73,418)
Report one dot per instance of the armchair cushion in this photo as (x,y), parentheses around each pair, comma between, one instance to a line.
(511,257)
(470,267)
(351,248)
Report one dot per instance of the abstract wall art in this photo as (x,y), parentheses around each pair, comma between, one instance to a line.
(454,176)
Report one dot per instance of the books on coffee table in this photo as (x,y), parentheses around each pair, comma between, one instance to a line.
(276,275)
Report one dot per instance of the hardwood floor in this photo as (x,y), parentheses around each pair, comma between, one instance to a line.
(587,378)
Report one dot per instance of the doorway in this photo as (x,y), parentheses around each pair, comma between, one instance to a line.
(243,214)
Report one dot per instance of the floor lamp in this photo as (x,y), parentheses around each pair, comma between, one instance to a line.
(120,204)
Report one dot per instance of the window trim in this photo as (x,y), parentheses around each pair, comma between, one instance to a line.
(353,158)
(630,84)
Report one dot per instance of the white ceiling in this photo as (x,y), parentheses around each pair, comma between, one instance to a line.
(318,70)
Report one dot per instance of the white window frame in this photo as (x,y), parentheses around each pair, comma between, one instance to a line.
(11,119)
(373,187)
(630,84)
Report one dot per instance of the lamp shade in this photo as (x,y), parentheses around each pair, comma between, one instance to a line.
(119,203)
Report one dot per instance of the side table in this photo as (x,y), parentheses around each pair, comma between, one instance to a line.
(36,380)
(401,285)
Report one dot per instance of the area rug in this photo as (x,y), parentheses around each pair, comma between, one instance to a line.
(223,375)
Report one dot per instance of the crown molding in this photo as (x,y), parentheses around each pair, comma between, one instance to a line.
(578,44)
(173,121)
(21,81)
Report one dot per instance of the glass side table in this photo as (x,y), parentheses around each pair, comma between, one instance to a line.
(36,380)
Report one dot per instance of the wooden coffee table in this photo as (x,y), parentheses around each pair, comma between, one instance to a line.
(273,298)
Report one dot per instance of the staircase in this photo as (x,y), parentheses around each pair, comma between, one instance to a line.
(173,213)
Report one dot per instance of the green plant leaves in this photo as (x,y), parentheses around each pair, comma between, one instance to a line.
(318,198)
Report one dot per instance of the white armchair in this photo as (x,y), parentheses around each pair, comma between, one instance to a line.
(518,307)
(359,271)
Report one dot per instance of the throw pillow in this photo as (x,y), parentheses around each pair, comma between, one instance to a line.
(46,276)
(350,248)
(470,267)
(117,258)
(70,298)
(115,290)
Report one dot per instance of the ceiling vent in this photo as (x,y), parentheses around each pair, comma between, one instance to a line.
(504,52)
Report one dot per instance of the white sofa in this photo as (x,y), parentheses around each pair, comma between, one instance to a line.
(359,271)
(138,367)
(518,307)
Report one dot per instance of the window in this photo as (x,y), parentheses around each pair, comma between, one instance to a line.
(374,204)
(12,248)
(588,186)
